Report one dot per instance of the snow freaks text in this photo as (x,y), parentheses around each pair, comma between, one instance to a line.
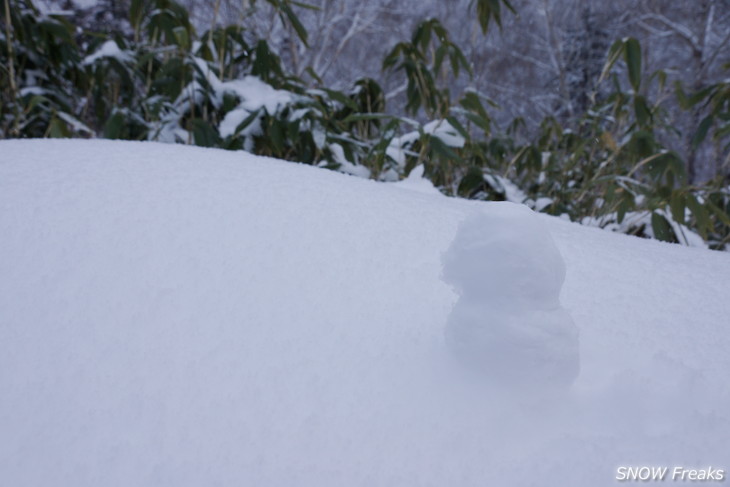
(667,473)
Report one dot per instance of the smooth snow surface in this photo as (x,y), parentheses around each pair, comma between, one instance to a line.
(508,322)
(177,316)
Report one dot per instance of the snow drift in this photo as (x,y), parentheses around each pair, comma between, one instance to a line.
(180,316)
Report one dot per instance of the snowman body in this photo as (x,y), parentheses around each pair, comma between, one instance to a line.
(508,323)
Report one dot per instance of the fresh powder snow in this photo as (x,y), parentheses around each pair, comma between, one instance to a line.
(110,49)
(179,316)
(254,95)
(441,129)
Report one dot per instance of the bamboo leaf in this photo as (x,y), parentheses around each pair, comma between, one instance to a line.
(204,134)
(614,53)
(632,54)
(662,229)
(677,205)
(702,130)
(700,213)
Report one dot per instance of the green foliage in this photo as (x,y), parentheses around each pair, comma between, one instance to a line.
(489,11)
(43,69)
(716,98)
(223,88)
(422,61)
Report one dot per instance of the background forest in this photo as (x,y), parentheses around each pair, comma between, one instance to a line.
(612,114)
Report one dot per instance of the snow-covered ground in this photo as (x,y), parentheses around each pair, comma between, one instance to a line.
(177,316)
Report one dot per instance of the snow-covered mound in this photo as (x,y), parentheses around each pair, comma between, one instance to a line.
(177,316)
(508,321)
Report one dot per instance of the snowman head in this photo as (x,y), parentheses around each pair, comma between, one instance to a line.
(505,254)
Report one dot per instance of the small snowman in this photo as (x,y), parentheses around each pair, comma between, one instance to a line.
(508,322)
